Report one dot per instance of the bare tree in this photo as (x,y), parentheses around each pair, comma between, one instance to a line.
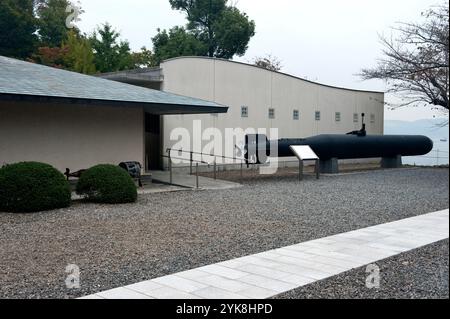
(268,62)
(416,61)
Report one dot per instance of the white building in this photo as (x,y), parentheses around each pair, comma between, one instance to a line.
(256,97)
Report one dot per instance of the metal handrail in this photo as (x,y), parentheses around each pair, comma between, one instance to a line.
(204,154)
(192,160)
(180,158)
(196,171)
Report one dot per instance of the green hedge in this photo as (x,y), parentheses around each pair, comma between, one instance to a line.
(107,184)
(32,187)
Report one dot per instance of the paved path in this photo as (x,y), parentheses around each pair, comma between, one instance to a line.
(270,273)
(189,181)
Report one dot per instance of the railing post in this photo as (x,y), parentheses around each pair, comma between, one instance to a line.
(196,175)
(146,163)
(300,169)
(215,166)
(242,166)
(191,161)
(437,157)
(317,169)
(170,169)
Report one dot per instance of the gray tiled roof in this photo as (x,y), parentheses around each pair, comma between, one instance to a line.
(24,78)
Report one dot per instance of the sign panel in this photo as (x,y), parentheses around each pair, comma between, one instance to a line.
(304,152)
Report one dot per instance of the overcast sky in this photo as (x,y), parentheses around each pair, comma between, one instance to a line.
(328,41)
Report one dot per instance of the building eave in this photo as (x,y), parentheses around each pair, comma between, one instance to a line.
(152,108)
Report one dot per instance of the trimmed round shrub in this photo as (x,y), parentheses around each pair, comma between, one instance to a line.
(32,187)
(107,184)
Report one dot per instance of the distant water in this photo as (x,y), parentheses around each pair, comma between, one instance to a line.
(440,153)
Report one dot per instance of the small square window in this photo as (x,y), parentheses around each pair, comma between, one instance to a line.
(317,115)
(338,116)
(271,113)
(372,118)
(244,111)
(296,115)
(355,118)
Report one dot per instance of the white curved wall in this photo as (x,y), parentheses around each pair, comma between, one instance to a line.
(236,84)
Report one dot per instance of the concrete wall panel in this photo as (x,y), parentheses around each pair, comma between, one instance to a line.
(75,137)
(237,84)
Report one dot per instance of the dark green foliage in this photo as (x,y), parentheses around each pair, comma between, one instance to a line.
(75,54)
(221,27)
(36,30)
(79,57)
(107,184)
(18,26)
(110,53)
(52,17)
(143,58)
(175,43)
(32,187)
(232,33)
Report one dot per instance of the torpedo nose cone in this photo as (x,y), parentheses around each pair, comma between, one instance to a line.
(428,145)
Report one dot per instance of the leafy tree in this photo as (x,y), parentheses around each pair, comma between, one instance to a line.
(53,57)
(143,59)
(75,54)
(177,42)
(18,27)
(232,34)
(223,28)
(110,53)
(52,17)
(79,56)
(416,62)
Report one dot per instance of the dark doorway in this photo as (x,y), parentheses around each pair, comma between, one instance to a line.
(153,141)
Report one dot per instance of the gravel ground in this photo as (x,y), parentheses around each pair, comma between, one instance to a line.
(169,232)
(249,174)
(420,273)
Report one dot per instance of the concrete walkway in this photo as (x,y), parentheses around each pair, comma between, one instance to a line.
(189,181)
(276,271)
